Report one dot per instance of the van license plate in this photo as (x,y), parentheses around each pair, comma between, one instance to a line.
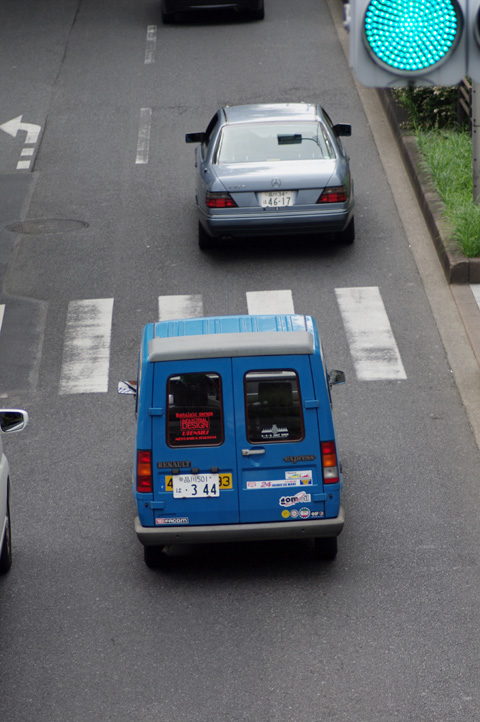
(192,486)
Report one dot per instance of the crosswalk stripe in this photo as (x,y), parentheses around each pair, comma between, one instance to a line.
(86,350)
(173,307)
(372,344)
(266,302)
(475,288)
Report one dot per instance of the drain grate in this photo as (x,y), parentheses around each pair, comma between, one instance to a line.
(47,225)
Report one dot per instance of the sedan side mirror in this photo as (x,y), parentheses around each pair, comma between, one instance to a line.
(194,137)
(343,129)
(336,377)
(12,420)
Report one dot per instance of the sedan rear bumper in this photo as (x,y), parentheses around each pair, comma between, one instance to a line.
(172,6)
(314,528)
(282,222)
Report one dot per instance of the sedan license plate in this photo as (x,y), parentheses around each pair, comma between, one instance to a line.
(276,199)
(190,486)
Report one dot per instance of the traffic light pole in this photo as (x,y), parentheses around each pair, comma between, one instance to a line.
(476,140)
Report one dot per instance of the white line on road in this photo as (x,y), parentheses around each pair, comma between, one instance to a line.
(143,144)
(151,44)
(475,287)
(86,350)
(173,307)
(372,344)
(2,312)
(269,302)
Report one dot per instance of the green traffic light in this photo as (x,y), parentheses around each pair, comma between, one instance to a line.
(411,36)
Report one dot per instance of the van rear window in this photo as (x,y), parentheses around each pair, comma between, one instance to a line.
(273,407)
(194,416)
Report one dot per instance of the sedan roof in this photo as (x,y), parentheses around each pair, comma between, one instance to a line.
(259,113)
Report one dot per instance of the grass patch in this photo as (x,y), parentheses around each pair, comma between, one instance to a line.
(448,156)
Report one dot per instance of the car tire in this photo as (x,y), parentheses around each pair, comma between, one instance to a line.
(257,14)
(326,548)
(205,242)
(348,235)
(6,553)
(154,557)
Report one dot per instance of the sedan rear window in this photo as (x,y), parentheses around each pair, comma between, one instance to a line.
(273,408)
(267,142)
(194,415)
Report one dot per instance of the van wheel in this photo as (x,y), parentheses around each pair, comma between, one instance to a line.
(154,557)
(326,548)
(6,554)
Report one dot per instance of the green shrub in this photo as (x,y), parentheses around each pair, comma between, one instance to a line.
(429,108)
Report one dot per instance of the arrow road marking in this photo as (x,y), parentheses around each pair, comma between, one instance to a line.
(13,126)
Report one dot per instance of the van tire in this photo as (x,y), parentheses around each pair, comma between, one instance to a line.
(154,557)
(326,548)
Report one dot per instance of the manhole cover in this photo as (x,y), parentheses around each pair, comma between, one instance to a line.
(47,225)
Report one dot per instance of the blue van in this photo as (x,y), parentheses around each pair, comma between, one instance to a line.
(235,436)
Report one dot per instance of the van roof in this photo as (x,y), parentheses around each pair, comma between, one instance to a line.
(226,336)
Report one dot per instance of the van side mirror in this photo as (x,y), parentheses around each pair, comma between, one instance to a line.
(343,129)
(127,387)
(194,137)
(336,377)
(12,420)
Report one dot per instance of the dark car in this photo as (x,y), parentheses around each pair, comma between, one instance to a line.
(276,169)
(254,9)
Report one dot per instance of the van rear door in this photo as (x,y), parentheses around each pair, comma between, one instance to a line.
(277,431)
(194,456)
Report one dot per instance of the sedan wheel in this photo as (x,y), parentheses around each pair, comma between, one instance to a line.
(6,553)
(205,241)
(348,235)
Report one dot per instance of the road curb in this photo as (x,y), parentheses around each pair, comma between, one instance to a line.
(457,268)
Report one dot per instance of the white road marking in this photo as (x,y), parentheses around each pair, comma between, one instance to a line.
(143,143)
(173,307)
(476,292)
(372,344)
(151,43)
(86,350)
(2,313)
(269,302)
(23,164)
(27,152)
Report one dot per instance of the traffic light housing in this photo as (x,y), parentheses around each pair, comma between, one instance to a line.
(398,43)
(473,63)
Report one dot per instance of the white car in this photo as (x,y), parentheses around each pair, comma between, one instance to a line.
(11,420)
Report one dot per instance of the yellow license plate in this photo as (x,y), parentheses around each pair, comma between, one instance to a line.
(224,481)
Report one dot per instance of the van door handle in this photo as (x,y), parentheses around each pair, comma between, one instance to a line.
(250,452)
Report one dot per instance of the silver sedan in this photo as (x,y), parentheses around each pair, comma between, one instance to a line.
(276,169)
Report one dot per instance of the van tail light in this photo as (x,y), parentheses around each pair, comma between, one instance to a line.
(335,194)
(219,200)
(144,472)
(329,462)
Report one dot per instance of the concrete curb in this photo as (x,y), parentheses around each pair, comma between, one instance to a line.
(457,268)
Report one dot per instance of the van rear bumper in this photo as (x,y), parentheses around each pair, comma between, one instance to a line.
(314,528)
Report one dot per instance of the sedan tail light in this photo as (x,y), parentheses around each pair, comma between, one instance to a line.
(335,194)
(144,472)
(329,462)
(219,200)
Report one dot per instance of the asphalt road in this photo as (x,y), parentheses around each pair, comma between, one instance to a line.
(244,633)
